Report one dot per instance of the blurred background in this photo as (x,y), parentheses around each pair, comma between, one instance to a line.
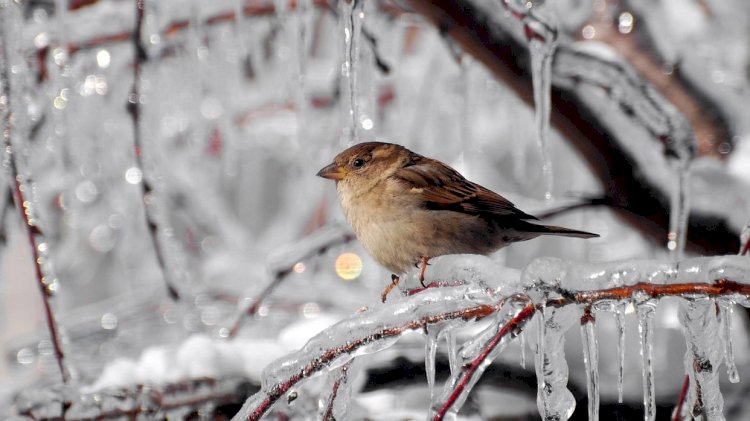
(166,162)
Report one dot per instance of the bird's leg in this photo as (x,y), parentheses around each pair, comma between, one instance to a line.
(422,268)
(394,282)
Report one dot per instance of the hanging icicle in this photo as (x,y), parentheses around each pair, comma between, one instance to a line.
(645,313)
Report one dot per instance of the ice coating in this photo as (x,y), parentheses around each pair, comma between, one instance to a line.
(368,332)
(573,277)
(554,400)
(702,359)
(645,312)
(591,360)
(594,64)
(477,354)
(283,258)
(335,403)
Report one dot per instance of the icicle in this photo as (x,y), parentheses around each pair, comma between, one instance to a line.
(645,313)
(679,212)
(303,12)
(468,355)
(522,344)
(554,400)
(541,31)
(726,309)
(450,339)
(352,15)
(620,325)
(541,76)
(429,358)
(702,358)
(591,360)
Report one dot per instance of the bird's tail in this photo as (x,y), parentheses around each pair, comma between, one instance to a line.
(565,232)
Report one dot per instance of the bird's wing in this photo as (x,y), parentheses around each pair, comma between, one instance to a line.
(440,187)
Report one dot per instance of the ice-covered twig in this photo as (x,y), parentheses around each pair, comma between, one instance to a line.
(366,332)
(147,190)
(282,262)
(340,377)
(21,185)
(83,41)
(630,172)
(470,372)
(744,249)
(586,285)
(148,401)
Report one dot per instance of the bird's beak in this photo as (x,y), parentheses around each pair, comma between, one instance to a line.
(332,172)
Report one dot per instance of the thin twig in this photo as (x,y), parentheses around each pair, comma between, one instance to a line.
(25,207)
(134,108)
(681,399)
(326,356)
(283,270)
(341,378)
(468,370)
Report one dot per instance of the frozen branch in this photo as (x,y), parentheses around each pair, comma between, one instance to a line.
(147,190)
(23,194)
(364,333)
(626,166)
(586,286)
(281,264)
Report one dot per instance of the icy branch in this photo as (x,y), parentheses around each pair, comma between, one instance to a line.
(23,187)
(613,144)
(282,261)
(365,333)
(585,286)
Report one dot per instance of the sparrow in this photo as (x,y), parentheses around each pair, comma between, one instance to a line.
(406,208)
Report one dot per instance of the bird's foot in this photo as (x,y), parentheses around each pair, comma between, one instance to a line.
(394,282)
(422,268)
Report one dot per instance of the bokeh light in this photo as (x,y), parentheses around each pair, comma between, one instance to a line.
(348,266)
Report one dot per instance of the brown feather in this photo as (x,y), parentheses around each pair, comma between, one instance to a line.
(442,188)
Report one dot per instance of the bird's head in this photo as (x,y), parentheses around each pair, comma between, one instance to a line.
(364,165)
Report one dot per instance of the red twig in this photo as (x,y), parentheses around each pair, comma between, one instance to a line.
(717,288)
(279,276)
(34,233)
(681,399)
(514,324)
(342,378)
(251,8)
(134,107)
(326,356)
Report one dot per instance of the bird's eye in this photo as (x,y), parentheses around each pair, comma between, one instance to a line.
(358,163)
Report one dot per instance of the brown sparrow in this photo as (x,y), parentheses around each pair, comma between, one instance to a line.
(406,208)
